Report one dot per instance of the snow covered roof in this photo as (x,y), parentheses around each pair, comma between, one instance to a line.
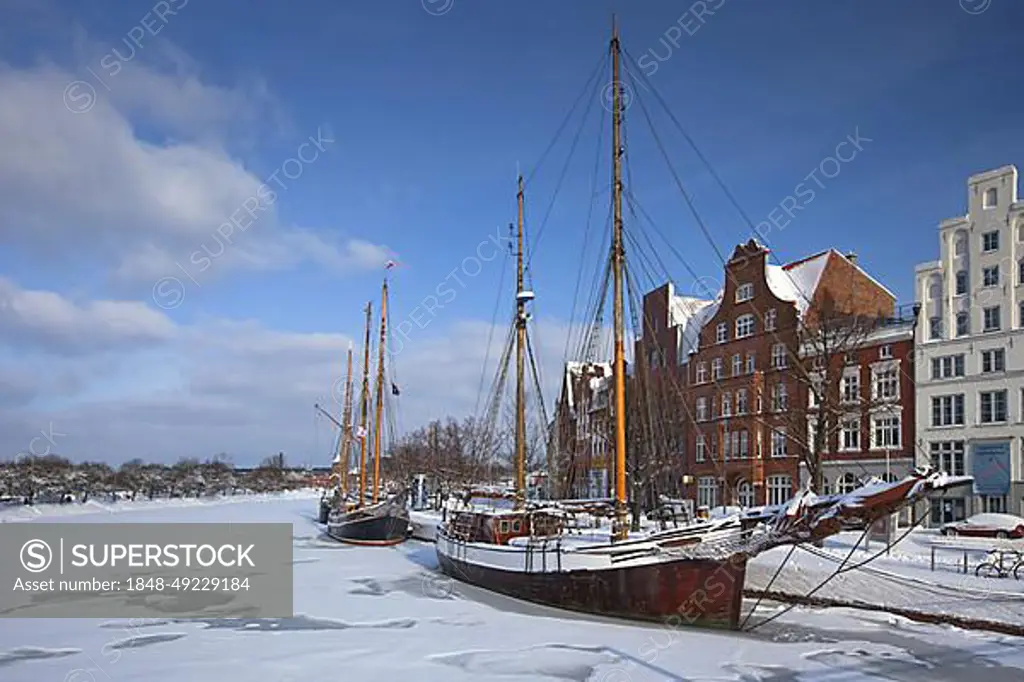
(690,315)
(575,370)
(798,281)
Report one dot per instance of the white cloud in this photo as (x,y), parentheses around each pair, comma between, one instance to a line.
(89,186)
(46,319)
(219,385)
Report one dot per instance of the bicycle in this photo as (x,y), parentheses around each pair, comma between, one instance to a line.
(1000,564)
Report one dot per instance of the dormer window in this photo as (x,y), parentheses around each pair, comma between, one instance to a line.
(991,198)
(744,292)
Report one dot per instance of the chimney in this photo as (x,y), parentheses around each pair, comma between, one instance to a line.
(852,257)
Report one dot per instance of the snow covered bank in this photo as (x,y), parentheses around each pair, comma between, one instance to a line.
(35,512)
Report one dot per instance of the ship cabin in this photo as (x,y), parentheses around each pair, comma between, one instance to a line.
(498,527)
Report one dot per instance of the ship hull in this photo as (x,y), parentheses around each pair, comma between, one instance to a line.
(374,527)
(697,592)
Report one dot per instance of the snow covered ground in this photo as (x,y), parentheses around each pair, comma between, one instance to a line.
(901,579)
(385,614)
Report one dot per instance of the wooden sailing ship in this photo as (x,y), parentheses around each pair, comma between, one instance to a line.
(336,495)
(691,575)
(381,522)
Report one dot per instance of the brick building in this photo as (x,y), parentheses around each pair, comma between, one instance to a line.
(741,362)
(580,446)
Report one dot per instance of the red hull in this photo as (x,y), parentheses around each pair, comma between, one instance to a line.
(696,592)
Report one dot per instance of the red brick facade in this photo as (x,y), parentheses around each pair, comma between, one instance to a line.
(744,381)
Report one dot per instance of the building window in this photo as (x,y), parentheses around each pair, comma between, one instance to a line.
(702,409)
(779,356)
(1020,271)
(993,407)
(961,283)
(702,372)
(850,387)
(885,352)
(948,366)
(744,292)
(993,360)
(990,241)
(992,321)
(778,443)
(780,399)
(886,384)
(990,276)
(744,445)
(780,489)
(960,244)
(993,504)
(948,410)
(726,405)
(850,436)
(815,387)
(771,318)
(1020,314)
(722,333)
(991,198)
(702,446)
(744,326)
(885,432)
(935,328)
(750,363)
(737,365)
(846,484)
(745,494)
(948,456)
(707,491)
(812,436)
(963,324)
(716,368)
(741,401)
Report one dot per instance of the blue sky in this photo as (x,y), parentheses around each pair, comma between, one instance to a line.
(430,116)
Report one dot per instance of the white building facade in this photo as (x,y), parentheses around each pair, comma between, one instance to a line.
(969,372)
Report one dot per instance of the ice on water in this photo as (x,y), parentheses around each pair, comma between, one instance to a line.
(386,614)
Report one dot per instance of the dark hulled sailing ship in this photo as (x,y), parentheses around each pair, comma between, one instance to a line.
(693,575)
(381,522)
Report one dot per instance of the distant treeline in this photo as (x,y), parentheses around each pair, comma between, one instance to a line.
(51,478)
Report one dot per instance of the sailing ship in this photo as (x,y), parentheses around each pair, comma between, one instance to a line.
(693,574)
(338,497)
(382,522)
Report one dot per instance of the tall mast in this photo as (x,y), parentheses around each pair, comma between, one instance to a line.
(380,388)
(521,299)
(364,406)
(346,430)
(621,530)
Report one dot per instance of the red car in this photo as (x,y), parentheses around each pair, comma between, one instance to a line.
(987,526)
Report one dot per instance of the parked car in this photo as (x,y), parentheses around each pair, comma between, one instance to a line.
(987,526)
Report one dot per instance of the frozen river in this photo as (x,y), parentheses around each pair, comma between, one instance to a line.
(385,614)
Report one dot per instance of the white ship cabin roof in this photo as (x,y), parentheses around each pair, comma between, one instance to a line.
(690,314)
